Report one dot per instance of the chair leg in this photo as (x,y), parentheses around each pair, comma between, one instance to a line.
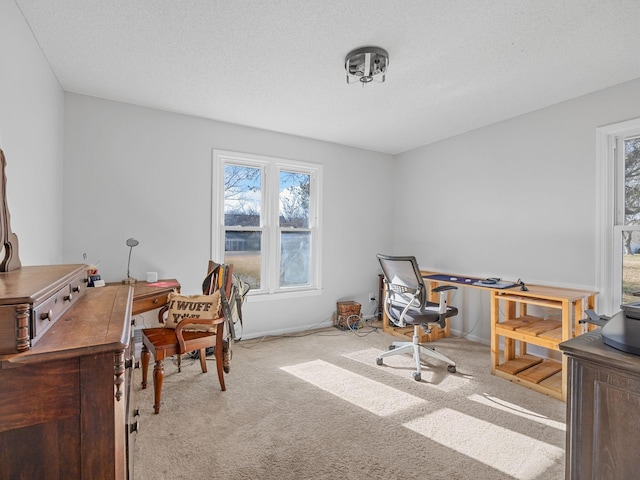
(398,348)
(146,356)
(179,362)
(158,379)
(220,361)
(432,352)
(203,360)
(417,375)
(226,356)
(416,348)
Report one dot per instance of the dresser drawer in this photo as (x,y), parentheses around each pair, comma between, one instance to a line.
(79,285)
(46,314)
(34,297)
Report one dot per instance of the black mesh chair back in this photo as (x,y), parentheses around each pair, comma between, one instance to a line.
(404,281)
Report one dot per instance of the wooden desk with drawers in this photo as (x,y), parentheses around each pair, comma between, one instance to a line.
(149,296)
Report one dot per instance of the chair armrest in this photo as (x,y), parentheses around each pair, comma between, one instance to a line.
(443,288)
(182,324)
(443,299)
(164,309)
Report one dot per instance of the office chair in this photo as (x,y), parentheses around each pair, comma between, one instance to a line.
(406,303)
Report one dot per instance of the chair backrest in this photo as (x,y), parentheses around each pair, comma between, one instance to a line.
(404,280)
(219,277)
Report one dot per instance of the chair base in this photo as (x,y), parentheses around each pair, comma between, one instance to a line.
(415,349)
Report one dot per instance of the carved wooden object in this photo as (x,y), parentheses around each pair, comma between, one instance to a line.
(11,260)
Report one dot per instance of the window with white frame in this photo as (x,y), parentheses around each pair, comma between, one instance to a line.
(618,261)
(266,220)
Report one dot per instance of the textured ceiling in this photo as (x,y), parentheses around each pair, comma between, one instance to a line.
(279,64)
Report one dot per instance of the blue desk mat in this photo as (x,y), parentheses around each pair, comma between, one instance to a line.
(469,281)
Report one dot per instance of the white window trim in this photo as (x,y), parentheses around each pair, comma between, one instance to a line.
(608,263)
(270,204)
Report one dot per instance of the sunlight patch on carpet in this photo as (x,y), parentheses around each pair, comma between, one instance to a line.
(512,408)
(373,396)
(435,376)
(518,455)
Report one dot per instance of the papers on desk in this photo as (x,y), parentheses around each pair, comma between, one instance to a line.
(482,283)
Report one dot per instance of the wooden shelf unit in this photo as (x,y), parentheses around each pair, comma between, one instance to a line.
(511,322)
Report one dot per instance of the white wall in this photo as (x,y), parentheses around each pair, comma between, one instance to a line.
(513,200)
(143,173)
(31,123)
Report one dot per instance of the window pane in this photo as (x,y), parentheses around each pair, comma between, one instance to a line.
(243,250)
(242,196)
(295,259)
(294,199)
(632,181)
(631,267)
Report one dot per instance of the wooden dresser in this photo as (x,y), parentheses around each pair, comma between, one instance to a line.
(603,410)
(65,402)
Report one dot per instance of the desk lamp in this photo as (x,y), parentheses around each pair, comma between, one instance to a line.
(131,242)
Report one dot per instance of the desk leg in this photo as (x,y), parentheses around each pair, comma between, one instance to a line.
(523,345)
(567,327)
(510,343)
(495,340)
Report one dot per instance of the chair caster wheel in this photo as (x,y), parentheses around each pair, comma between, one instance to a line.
(378,361)
(451,368)
(392,347)
(416,376)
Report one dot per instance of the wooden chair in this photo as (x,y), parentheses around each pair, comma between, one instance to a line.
(165,342)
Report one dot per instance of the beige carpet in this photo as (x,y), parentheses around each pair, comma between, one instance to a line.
(318,407)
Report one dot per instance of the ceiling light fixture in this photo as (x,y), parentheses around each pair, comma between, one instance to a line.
(366,64)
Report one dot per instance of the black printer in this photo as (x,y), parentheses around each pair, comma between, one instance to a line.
(622,331)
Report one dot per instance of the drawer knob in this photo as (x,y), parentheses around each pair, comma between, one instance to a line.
(155,301)
(48,315)
(68,298)
(75,289)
